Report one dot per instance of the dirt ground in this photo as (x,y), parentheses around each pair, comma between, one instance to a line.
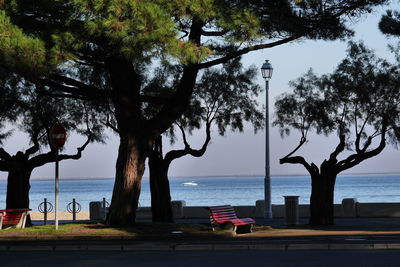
(183,232)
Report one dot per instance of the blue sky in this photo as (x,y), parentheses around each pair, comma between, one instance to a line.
(243,153)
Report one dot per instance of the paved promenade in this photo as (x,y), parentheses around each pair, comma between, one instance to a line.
(347,234)
(366,242)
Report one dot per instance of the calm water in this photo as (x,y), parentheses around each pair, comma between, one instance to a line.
(218,190)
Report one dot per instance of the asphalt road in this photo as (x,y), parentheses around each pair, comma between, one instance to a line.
(336,258)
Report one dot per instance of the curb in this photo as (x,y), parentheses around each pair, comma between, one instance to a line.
(199,247)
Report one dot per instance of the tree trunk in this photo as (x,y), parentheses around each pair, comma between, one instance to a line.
(161,208)
(322,198)
(129,171)
(18,187)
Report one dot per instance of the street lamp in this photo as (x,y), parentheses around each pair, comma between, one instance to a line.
(266,72)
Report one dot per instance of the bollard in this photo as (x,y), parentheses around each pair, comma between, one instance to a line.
(291,210)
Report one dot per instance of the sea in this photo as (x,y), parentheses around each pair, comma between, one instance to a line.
(204,191)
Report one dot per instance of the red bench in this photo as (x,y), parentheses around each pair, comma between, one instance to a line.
(225,215)
(13,218)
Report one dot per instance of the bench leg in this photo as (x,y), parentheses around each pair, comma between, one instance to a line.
(245,228)
(22,221)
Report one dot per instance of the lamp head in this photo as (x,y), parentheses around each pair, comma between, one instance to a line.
(266,70)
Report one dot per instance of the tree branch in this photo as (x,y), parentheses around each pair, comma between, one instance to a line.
(4,154)
(312,169)
(174,154)
(42,159)
(112,127)
(355,159)
(340,148)
(74,87)
(4,167)
(35,148)
(303,140)
(358,134)
(245,51)
(213,33)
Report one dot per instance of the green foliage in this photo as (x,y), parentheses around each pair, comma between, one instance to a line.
(18,50)
(304,108)
(23,108)
(359,99)
(56,31)
(133,28)
(226,97)
(390,23)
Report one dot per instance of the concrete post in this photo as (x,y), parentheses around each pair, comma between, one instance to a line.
(260,208)
(291,210)
(349,207)
(177,208)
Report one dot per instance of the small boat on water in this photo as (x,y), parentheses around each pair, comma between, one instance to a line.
(192,183)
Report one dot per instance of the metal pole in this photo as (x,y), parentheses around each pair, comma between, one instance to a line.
(56,193)
(45,211)
(104,209)
(267,179)
(73,210)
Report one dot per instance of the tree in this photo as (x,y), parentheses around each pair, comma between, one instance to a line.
(223,97)
(390,23)
(359,102)
(54,42)
(23,109)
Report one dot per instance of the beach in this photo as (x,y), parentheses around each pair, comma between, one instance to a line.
(62,216)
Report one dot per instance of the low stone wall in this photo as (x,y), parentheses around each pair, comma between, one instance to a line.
(378,210)
(349,208)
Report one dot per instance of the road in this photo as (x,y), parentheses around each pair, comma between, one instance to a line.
(337,258)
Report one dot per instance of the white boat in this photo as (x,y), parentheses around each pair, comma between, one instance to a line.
(192,183)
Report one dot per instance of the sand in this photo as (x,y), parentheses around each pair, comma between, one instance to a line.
(62,215)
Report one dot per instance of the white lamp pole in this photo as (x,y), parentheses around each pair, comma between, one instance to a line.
(266,71)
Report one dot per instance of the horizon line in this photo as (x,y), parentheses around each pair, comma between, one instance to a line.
(222,175)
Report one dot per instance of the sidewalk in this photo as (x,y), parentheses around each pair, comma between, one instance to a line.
(347,234)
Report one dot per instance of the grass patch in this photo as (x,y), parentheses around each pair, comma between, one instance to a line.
(41,230)
(140,231)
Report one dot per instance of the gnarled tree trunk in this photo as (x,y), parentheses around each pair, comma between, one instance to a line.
(322,199)
(18,187)
(161,208)
(129,171)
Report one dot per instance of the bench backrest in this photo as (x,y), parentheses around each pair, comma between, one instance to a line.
(13,217)
(222,213)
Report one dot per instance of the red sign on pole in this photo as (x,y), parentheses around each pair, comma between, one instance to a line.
(58,135)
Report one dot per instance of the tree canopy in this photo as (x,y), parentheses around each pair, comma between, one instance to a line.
(23,109)
(390,23)
(224,98)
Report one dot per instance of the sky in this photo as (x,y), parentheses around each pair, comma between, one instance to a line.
(244,153)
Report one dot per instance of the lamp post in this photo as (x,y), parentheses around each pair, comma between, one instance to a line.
(266,72)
